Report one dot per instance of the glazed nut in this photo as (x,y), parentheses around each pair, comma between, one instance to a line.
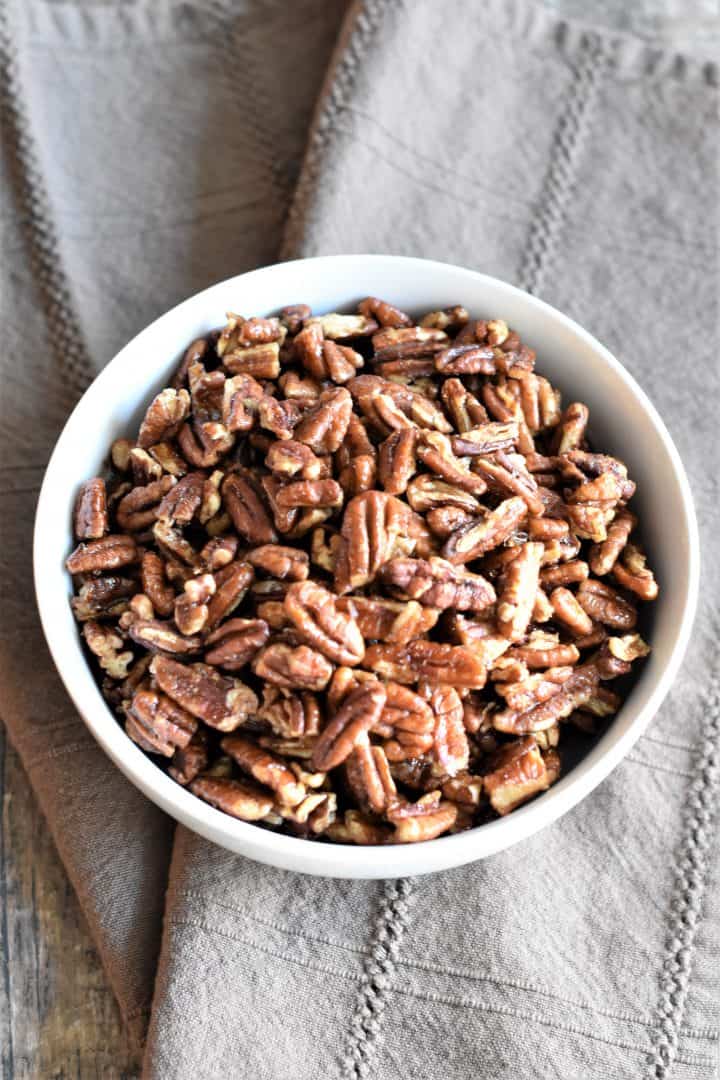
(245,505)
(236,642)
(316,616)
(158,724)
(569,611)
(164,418)
(519,773)
(90,516)
(484,534)
(266,768)
(107,644)
(293,668)
(284,563)
(519,590)
(413,830)
(240,799)
(438,583)
(431,661)
(220,702)
(107,553)
(604,605)
(191,607)
(357,715)
(139,509)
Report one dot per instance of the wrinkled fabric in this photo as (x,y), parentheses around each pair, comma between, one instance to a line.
(575,162)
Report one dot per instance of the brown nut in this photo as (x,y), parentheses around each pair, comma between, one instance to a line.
(235,797)
(221,703)
(438,583)
(316,616)
(164,417)
(358,714)
(480,536)
(244,503)
(158,724)
(293,668)
(107,553)
(266,768)
(236,642)
(90,515)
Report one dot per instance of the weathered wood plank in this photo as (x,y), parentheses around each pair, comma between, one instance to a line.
(58,1018)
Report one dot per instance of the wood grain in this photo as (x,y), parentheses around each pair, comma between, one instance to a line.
(58,1017)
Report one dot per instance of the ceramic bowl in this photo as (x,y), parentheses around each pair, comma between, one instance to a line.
(623,422)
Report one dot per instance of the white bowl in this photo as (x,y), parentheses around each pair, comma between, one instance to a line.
(623,422)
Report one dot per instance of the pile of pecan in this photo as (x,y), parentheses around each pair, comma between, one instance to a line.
(356,573)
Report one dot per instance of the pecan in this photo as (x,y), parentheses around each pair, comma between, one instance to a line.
(438,583)
(368,775)
(310,493)
(240,799)
(358,713)
(358,475)
(435,451)
(157,724)
(140,507)
(279,417)
(372,525)
(293,668)
(290,715)
(120,451)
(242,395)
(190,760)
(449,318)
(486,438)
(107,553)
(195,353)
(628,648)
(244,504)
(396,461)
(293,459)
(578,688)
(543,650)
(162,637)
(204,443)
(103,597)
(357,828)
(90,515)
(386,314)
(325,359)
(520,772)
(324,425)
(295,388)
(152,575)
(407,713)
(261,361)
(143,466)
(337,326)
(191,607)
(168,459)
(451,745)
(428,492)
(388,620)
(284,563)
(266,768)
(604,605)
(316,616)
(293,316)
(426,826)
(173,545)
(631,572)
(531,690)
(443,520)
(164,417)
(571,429)
(519,591)
(482,535)
(435,662)
(464,409)
(507,474)
(106,644)
(183,500)
(221,703)
(401,343)
(231,585)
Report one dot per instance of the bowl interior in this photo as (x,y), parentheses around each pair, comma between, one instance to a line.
(623,423)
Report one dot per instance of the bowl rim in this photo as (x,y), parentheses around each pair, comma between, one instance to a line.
(345,860)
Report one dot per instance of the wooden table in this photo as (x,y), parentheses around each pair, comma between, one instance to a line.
(58,1017)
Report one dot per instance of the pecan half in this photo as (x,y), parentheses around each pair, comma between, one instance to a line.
(372,525)
(604,605)
(266,768)
(316,616)
(520,772)
(480,536)
(435,662)
(106,644)
(519,590)
(358,714)
(90,514)
(164,417)
(157,724)
(293,668)
(389,620)
(240,799)
(438,583)
(243,502)
(220,702)
(107,553)
(324,425)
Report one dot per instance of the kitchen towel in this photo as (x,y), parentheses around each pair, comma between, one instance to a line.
(151,149)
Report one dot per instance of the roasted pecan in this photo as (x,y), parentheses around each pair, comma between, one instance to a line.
(90,516)
(604,605)
(451,745)
(190,760)
(485,438)
(567,610)
(443,520)
(543,650)
(401,343)
(389,620)
(168,458)
(450,318)
(325,359)
(481,535)
(191,607)
(507,474)
(428,492)
(240,799)
(571,430)
(231,585)
(290,715)
(106,644)
(338,326)
(293,668)
(357,715)
(435,451)
(158,724)
(244,503)
(317,618)
(310,493)
(139,509)
(162,637)
(261,361)
(631,572)
(531,690)
(368,775)
(372,525)
(107,553)
(220,702)
(520,771)
(103,597)
(424,824)
(568,573)
(385,313)
(324,425)
(357,828)
(284,563)
(266,768)
(241,402)
(279,417)
(396,461)
(164,417)
(435,662)
(143,466)
(575,690)
(438,583)
(358,475)
(519,591)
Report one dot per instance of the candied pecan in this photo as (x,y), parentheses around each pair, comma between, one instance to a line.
(152,576)
(336,326)
(158,724)
(106,644)
(140,507)
(435,662)
(164,417)
(357,828)
(143,466)
(90,514)
(570,433)
(222,703)
(358,475)
(204,443)
(173,545)
(438,583)
(325,359)
(452,318)
(604,605)
(519,590)
(435,451)
(466,359)
(372,525)
(389,620)
(483,534)
(284,563)
(194,354)
(243,502)
(293,668)
(291,715)
(578,688)
(293,315)
(242,395)
(463,407)
(406,712)
(358,713)
(120,451)
(604,555)
(168,459)
(425,826)
(231,584)
(266,768)
(400,343)
(507,474)
(291,459)
(107,553)
(190,760)
(158,636)
(324,424)
(519,772)
(240,799)
(278,417)
(530,690)
(369,778)
(568,573)
(628,648)
(543,650)
(183,500)
(428,492)
(631,572)
(486,438)
(191,607)
(450,741)
(396,461)
(567,610)
(103,597)
(464,789)
(443,520)
(310,493)
(316,616)
(386,314)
